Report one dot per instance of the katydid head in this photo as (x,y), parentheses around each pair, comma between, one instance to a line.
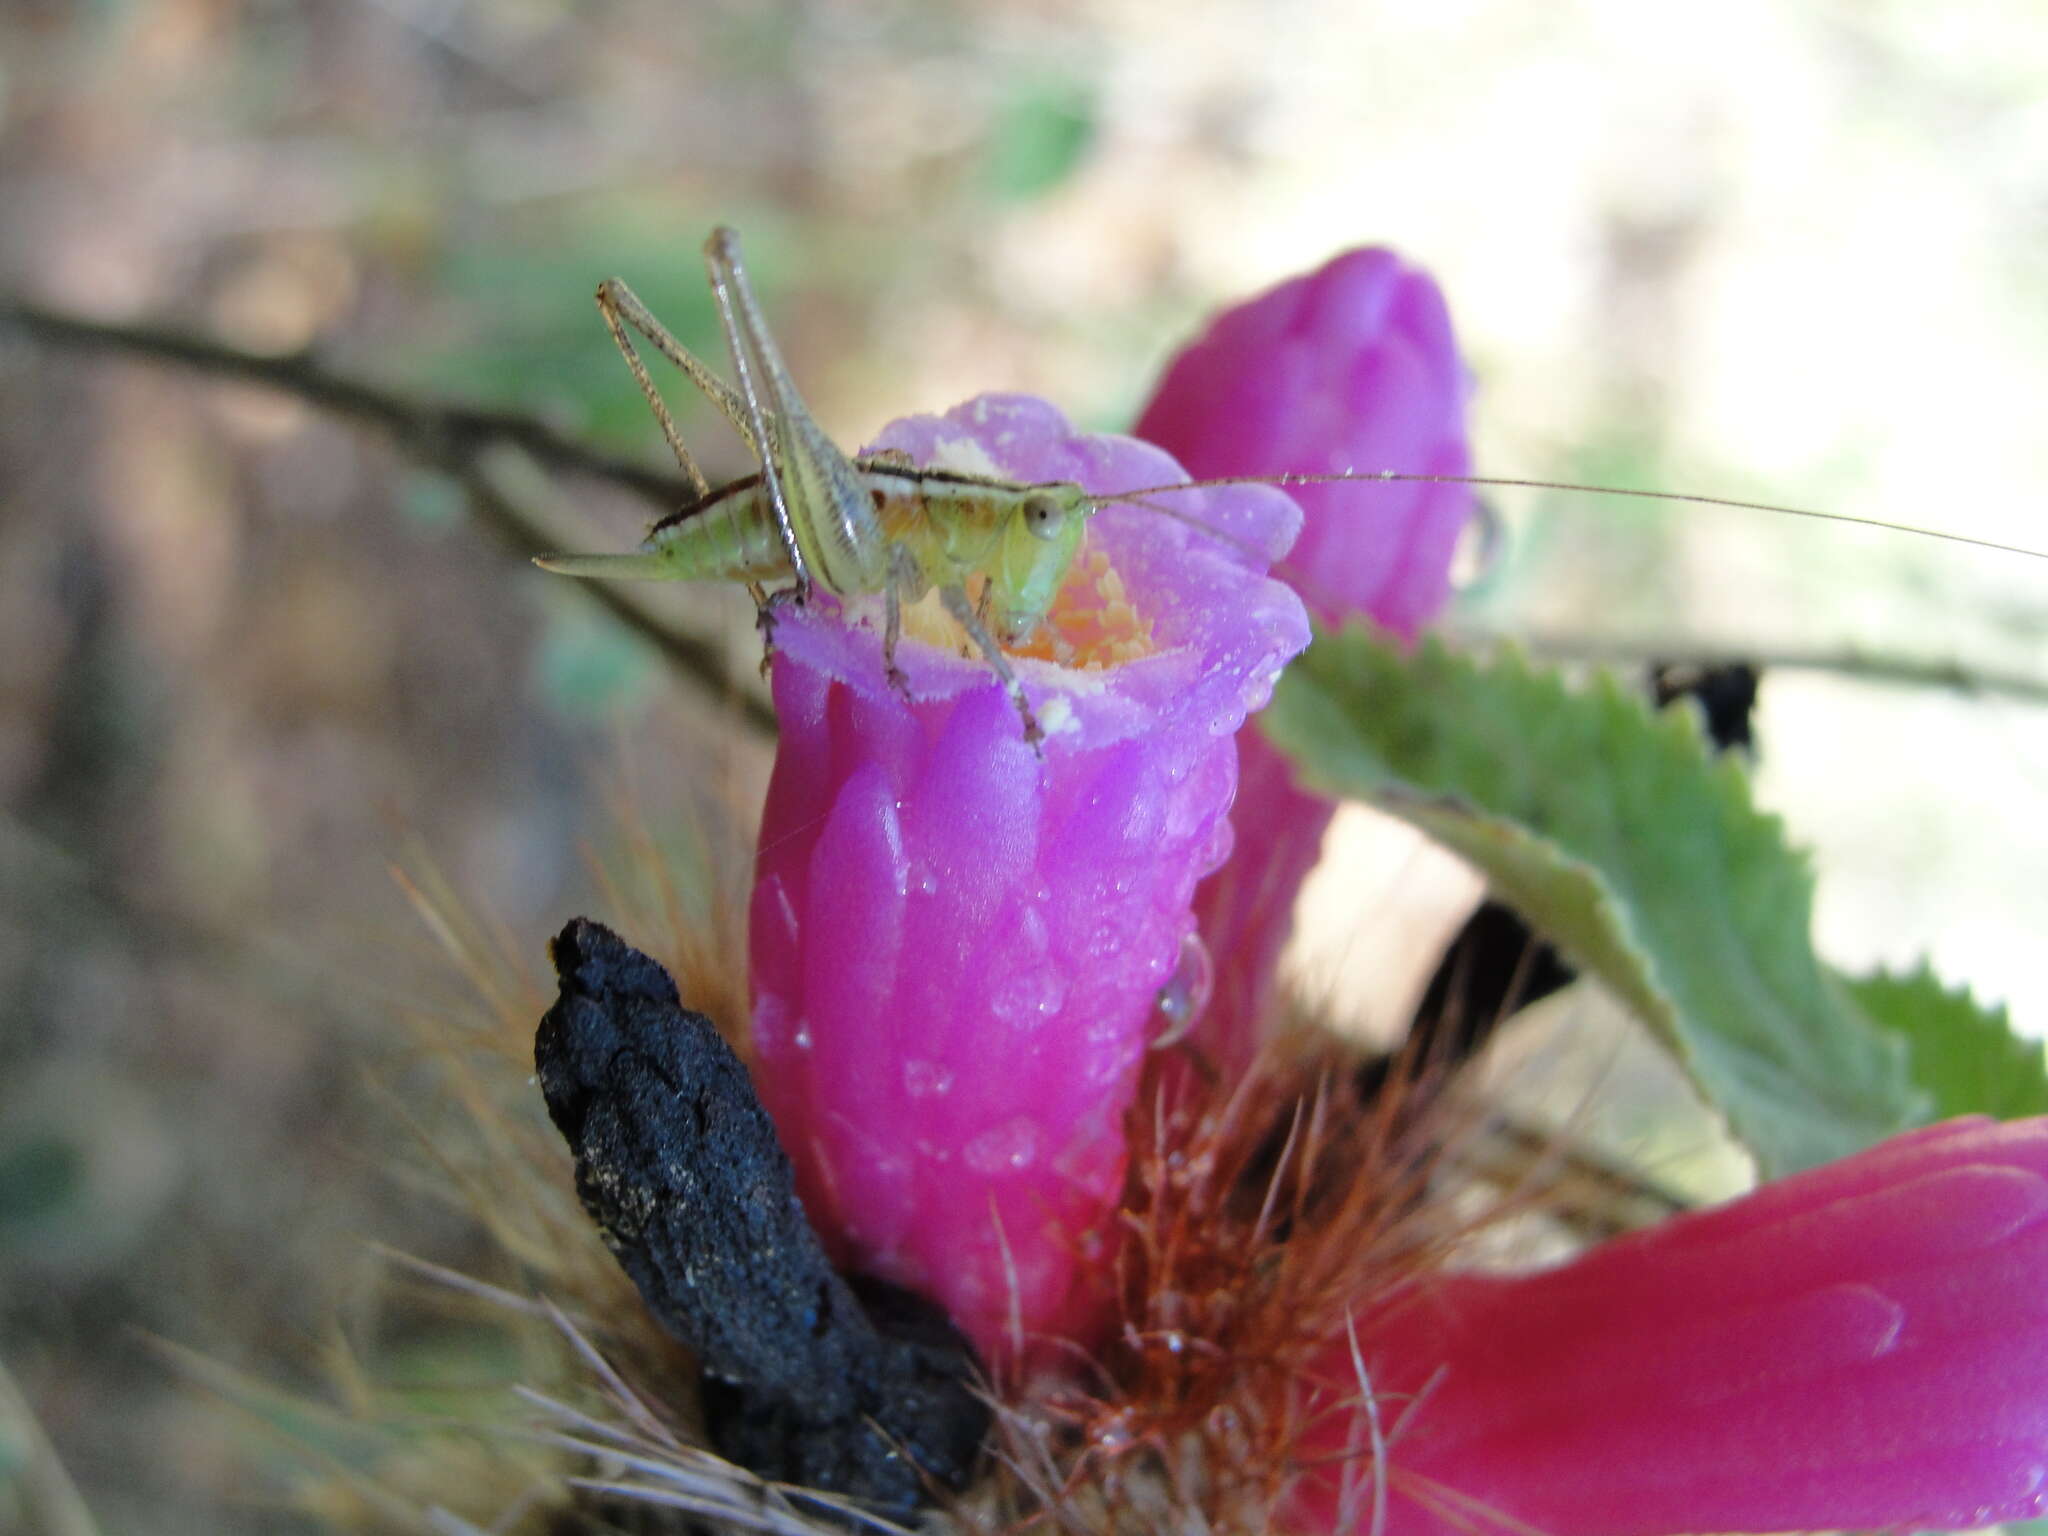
(1036,549)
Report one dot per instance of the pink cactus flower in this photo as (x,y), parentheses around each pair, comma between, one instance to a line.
(1861,1346)
(956,945)
(1351,367)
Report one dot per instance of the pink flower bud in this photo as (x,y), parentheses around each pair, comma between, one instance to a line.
(1352,367)
(1861,1346)
(956,944)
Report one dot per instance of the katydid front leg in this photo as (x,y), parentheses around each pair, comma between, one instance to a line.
(903,580)
(766,607)
(957,604)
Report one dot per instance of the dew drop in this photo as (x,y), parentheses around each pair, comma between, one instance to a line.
(771,1022)
(1032,930)
(1007,1148)
(1479,547)
(1114,1437)
(1029,996)
(1185,994)
(926,1079)
(1221,841)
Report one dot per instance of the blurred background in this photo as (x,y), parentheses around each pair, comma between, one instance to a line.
(250,658)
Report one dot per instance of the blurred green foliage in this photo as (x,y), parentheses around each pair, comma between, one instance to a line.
(1039,135)
(588,667)
(520,329)
(40,1179)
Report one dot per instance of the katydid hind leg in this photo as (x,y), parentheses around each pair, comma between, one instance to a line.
(820,488)
(621,308)
(957,604)
(729,291)
(722,395)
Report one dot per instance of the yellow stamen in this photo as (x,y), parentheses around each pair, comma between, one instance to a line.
(1094,618)
(1093,624)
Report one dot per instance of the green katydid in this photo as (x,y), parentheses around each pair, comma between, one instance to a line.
(878,525)
(812,515)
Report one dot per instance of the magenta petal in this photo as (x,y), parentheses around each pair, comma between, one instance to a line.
(956,945)
(1865,1345)
(1351,367)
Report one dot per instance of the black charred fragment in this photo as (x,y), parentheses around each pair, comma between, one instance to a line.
(1725,692)
(680,1168)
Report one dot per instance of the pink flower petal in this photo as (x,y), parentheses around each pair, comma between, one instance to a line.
(1351,367)
(956,945)
(1865,1345)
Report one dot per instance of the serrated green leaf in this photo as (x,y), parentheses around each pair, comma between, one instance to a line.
(1620,837)
(1963,1055)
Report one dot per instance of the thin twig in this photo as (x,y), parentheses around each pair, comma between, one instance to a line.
(424,424)
(1844,661)
(451,437)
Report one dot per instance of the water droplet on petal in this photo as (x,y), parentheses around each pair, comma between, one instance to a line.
(1007,1148)
(1221,841)
(926,1079)
(1185,994)
(1029,996)
(1032,930)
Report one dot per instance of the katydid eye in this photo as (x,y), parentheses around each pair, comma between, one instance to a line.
(1043,515)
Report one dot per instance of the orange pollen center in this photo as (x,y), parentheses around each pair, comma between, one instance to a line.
(1093,625)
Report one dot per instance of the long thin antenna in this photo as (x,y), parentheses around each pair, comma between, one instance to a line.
(1391,477)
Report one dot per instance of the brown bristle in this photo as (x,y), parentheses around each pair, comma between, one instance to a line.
(1258,1216)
